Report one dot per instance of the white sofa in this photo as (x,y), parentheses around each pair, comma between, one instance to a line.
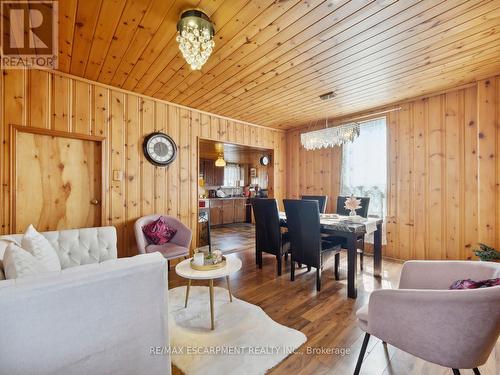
(99,315)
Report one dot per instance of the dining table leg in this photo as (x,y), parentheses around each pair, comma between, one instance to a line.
(377,251)
(352,257)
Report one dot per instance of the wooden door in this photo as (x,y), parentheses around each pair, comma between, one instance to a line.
(57,182)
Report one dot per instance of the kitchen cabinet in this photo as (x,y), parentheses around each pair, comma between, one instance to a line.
(239,210)
(227,211)
(213,176)
(218,176)
(215,212)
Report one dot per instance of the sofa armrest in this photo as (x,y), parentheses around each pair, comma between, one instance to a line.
(419,274)
(438,325)
(95,317)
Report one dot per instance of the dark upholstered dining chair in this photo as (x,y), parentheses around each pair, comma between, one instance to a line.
(363,211)
(306,244)
(322,201)
(268,236)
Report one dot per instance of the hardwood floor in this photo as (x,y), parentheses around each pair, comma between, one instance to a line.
(231,238)
(327,318)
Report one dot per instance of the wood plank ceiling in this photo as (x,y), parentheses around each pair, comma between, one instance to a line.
(273,58)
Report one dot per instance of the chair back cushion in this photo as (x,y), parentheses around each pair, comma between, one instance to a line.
(267,225)
(322,201)
(302,218)
(363,211)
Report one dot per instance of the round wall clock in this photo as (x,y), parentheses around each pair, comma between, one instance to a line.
(264,160)
(159,149)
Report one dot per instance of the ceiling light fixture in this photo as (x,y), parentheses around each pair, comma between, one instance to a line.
(220,162)
(195,33)
(330,137)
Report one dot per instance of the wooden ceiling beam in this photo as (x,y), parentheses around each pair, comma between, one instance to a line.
(397,95)
(363,78)
(265,48)
(228,41)
(327,29)
(409,36)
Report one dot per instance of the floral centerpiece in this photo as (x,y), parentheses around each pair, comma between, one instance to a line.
(214,257)
(352,204)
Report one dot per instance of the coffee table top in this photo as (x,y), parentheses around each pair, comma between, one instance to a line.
(184,269)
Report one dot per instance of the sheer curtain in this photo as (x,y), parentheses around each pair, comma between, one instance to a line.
(364,166)
(232,173)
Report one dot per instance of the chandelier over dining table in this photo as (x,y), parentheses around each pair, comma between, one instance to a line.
(195,33)
(330,137)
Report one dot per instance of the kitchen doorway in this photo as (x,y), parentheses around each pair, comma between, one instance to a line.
(229,176)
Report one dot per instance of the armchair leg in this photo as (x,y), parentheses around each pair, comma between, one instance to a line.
(318,279)
(362,354)
(308,268)
(286,256)
(476,371)
(336,266)
(278,261)
(456,371)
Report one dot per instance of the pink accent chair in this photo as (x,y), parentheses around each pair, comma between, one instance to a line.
(177,247)
(452,328)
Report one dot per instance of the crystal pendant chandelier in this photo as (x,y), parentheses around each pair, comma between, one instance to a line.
(330,137)
(195,35)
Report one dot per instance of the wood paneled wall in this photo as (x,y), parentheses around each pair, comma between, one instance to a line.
(53,101)
(312,172)
(444,173)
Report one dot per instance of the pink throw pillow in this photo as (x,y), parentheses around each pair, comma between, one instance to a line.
(471,284)
(158,232)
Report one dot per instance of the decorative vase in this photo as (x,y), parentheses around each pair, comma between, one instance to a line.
(352,213)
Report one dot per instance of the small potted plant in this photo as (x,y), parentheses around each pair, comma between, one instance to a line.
(487,253)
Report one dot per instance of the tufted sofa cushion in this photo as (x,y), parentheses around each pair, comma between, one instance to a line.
(75,247)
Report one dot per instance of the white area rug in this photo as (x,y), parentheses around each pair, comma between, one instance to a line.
(245,340)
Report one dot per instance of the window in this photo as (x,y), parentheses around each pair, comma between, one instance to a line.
(364,166)
(232,174)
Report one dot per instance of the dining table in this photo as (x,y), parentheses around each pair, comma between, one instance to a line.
(351,229)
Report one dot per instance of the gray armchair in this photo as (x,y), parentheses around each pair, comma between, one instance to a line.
(177,247)
(452,328)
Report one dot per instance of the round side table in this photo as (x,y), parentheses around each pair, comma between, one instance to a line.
(184,270)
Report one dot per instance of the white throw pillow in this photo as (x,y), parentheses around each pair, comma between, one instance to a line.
(18,262)
(41,249)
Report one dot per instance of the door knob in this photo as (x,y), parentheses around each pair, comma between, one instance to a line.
(94,201)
